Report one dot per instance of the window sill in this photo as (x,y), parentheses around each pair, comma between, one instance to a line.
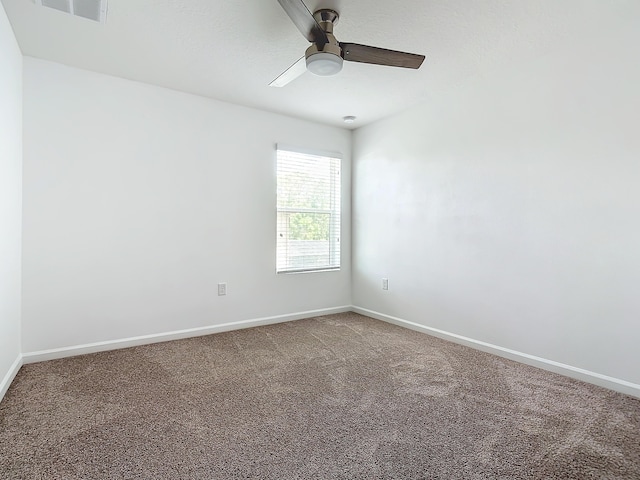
(319,270)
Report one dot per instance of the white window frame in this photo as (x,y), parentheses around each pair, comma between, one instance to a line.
(335,210)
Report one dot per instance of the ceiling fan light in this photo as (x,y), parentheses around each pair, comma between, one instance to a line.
(324,64)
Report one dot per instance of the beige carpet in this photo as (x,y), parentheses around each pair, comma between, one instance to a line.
(340,396)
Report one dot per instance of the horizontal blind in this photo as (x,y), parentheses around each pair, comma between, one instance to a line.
(308,218)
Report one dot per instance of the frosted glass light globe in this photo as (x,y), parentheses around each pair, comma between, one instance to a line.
(324,64)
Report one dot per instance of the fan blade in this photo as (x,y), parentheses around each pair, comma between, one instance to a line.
(303,19)
(354,52)
(290,74)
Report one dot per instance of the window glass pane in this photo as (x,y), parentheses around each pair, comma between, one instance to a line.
(308,204)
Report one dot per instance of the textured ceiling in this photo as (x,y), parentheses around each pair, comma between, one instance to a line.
(231,50)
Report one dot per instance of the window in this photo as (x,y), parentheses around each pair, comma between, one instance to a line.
(308,204)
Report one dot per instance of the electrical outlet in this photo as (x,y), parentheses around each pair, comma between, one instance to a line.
(222,289)
(385,284)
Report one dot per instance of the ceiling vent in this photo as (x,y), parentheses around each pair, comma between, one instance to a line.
(91,9)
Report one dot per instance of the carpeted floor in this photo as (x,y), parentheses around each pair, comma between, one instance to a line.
(340,396)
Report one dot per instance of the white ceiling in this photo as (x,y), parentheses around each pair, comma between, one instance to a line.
(231,50)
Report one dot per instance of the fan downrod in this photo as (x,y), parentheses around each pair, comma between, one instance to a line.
(326,18)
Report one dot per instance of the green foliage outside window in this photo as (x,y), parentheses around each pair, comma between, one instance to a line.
(309,226)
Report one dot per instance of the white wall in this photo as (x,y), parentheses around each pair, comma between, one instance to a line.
(10,199)
(507,210)
(138,200)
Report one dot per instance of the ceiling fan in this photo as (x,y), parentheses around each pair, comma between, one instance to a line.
(325,55)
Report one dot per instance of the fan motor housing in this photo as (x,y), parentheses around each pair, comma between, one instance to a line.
(325,58)
(333,49)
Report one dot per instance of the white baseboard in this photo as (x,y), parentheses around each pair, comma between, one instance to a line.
(578,373)
(11,374)
(55,353)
